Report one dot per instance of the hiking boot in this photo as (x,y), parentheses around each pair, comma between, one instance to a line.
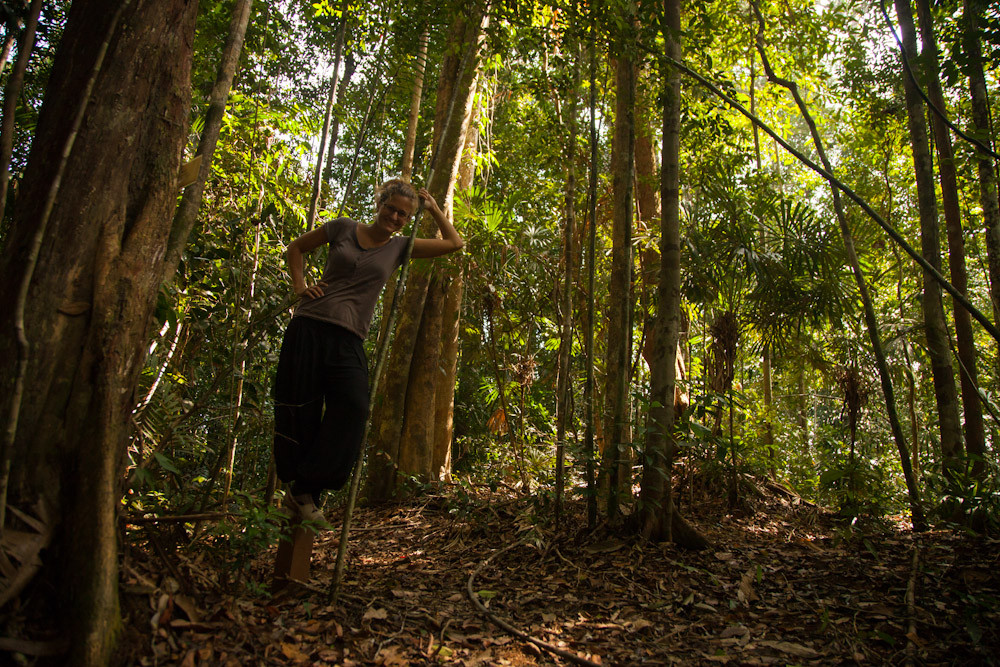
(303,508)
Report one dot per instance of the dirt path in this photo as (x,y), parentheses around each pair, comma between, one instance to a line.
(777,588)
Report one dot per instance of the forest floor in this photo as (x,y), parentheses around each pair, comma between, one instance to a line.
(782,584)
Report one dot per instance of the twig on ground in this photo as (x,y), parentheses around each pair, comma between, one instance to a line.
(567,561)
(911,596)
(572,657)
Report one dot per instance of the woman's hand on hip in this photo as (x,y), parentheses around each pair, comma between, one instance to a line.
(312,292)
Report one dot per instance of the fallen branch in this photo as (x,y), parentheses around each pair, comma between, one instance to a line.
(181,518)
(572,657)
(35,648)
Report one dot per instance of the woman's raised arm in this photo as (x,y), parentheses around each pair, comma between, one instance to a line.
(450,240)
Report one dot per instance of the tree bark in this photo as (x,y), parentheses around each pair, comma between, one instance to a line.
(421,451)
(94,288)
(975,436)
(935,326)
(988,197)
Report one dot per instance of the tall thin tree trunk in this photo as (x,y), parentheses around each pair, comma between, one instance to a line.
(338,50)
(656,508)
(564,390)
(187,210)
(766,380)
(241,365)
(588,391)
(11,92)
(350,64)
(10,34)
(10,95)
(871,322)
(617,380)
(935,326)
(975,436)
(988,197)
(406,169)
(418,90)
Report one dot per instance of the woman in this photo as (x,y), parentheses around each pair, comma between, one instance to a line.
(321,388)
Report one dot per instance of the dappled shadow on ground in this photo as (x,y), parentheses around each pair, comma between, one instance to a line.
(780,585)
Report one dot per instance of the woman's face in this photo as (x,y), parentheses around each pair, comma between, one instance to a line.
(393,213)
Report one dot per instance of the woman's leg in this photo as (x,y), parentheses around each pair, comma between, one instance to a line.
(330,456)
(298,395)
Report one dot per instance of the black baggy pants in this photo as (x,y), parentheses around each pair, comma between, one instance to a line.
(320,405)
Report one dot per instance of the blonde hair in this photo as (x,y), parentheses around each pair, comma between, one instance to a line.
(394,186)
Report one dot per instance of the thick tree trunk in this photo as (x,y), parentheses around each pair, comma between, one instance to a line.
(423,450)
(935,325)
(416,441)
(617,438)
(975,436)
(93,291)
(444,397)
(391,413)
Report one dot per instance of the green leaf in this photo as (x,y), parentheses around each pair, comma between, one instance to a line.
(831,476)
(166,463)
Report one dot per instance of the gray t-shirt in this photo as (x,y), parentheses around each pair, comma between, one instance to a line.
(354,278)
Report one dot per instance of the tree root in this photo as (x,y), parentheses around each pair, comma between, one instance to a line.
(572,657)
(682,533)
